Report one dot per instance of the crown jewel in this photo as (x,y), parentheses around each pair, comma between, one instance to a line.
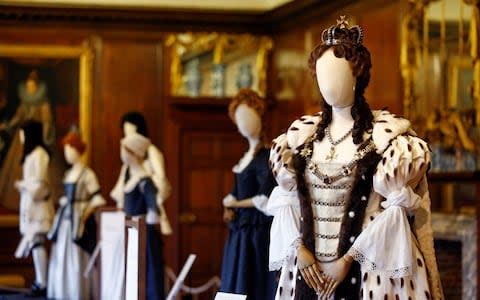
(328,35)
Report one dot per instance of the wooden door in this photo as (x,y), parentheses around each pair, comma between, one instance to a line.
(206,171)
(203,145)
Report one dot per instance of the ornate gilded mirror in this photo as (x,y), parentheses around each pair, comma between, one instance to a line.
(441,68)
(217,64)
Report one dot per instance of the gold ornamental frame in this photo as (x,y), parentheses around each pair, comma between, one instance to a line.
(217,43)
(412,53)
(85,54)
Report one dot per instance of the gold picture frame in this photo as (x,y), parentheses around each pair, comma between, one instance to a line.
(79,61)
(84,54)
(203,64)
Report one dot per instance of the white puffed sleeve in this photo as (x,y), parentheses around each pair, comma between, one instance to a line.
(117,193)
(284,205)
(156,167)
(93,188)
(35,182)
(387,243)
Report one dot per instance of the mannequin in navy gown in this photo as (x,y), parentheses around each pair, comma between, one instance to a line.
(245,261)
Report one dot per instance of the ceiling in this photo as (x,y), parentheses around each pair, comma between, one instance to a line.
(218,5)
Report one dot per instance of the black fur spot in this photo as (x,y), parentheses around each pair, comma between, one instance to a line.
(392,281)
(290,275)
(280,291)
(427,294)
(370,294)
(378,280)
(411,285)
(365,277)
(293,128)
(419,262)
(401,282)
(388,130)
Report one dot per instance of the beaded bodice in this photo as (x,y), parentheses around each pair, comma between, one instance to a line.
(328,205)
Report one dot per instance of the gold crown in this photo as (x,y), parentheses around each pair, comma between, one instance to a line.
(328,35)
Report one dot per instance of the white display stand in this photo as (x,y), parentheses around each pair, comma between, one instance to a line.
(228,296)
(112,233)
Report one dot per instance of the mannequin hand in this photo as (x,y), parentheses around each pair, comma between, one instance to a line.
(310,269)
(18,184)
(336,272)
(228,214)
(63,201)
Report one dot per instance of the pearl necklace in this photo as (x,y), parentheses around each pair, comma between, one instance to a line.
(332,155)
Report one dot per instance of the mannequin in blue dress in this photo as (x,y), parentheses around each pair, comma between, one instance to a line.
(139,196)
(245,261)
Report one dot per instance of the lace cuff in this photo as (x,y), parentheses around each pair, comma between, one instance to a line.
(291,252)
(371,266)
(386,244)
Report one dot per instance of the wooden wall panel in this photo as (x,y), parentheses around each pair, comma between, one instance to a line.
(382,30)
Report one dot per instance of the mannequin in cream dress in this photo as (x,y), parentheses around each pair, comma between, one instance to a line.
(36,208)
(82,196)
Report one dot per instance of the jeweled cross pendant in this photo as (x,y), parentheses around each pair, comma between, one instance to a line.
(332,155)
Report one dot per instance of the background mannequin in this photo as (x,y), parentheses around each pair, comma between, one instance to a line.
(140,198)
(245,259)
(36,209)
(334,170)
(82,196)
(154,164)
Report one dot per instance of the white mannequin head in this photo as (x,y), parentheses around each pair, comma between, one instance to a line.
(72,156)
(21,135)
(248,121)
(335,80)
(133,148)
(129,128)
(73,147)
(246,110)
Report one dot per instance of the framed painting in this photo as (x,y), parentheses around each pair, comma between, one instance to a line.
(48,83)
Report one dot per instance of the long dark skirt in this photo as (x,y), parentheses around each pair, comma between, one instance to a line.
(245,263)
(155,264)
